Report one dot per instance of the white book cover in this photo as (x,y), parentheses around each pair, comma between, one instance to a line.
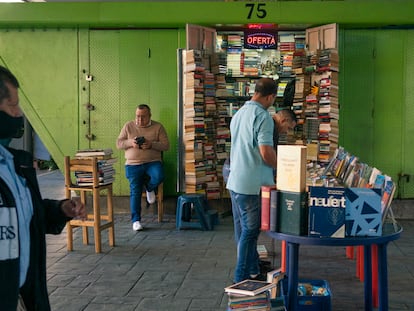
(291,168)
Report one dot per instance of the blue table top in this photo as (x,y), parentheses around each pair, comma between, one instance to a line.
(388,234)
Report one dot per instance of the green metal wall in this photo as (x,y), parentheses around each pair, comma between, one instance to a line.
(52,66)
(46,64)
(131,67)
(377,101)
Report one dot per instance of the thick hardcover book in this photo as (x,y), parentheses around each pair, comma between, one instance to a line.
(327,212)
(293,212)
(274,226)
(265,198)
(291,168)
(249,287)
(363,215)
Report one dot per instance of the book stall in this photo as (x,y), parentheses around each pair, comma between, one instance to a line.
(343,203)
(344,198)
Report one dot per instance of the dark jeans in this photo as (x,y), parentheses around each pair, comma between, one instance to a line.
(246,216)
(150,175)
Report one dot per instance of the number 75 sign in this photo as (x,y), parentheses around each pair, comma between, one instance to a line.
(256,10)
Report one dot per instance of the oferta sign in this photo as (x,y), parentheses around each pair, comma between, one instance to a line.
(260,39)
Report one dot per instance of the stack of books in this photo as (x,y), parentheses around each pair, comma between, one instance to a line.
(249,295)
(234,55)
(194,120)
(327,79)
(105,153)
(105,167)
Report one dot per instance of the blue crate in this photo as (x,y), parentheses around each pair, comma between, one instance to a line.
(308,302)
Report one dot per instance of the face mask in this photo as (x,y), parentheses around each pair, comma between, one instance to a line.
(11,127)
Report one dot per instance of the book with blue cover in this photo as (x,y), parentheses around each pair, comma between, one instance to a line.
(363,216)
(326,212)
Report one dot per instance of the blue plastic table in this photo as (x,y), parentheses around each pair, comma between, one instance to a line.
(388,235)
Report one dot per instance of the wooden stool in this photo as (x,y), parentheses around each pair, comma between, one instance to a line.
(96,220)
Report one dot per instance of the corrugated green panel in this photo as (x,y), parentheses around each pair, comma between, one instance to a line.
(134,86)
(131,67)
(45,62)
(103,121)
(389,79)
(104,67)
(407,188)
(163,98)
(357,89)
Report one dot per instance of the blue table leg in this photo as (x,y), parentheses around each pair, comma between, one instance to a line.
(368,277)
(382,277)
(293,255)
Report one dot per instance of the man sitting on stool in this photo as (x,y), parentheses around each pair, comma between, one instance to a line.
(143,140)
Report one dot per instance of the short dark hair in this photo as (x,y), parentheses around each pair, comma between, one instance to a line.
(288,114)
(6,77)
(266,86)
(144,106)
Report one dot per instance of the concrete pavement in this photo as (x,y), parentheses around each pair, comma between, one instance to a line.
(161,268)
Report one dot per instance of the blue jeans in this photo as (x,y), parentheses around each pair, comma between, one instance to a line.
(246,217)
(150,175)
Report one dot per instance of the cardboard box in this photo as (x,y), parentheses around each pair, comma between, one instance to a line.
(363,212)
(327,212)
(292,212)
(291,168)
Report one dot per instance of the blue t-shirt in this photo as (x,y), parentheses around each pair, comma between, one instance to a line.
(250,127)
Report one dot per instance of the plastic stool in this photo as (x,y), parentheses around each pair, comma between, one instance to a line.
(203,219)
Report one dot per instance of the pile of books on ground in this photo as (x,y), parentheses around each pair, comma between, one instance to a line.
(257,295)
(249,295)
(105,163)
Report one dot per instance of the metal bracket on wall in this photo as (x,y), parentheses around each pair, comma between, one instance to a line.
(90,107)
(89,135)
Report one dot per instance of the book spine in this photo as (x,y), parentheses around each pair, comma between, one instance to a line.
(273,210)
(265,212)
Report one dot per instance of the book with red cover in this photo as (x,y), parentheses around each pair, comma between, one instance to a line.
(265,198)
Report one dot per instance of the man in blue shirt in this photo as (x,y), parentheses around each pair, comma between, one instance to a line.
(252,163)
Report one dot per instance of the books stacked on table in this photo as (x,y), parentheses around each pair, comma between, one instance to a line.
(249,295)
(105,163)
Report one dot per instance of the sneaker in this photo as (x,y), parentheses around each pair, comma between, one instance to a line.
(150,197)
(136,226)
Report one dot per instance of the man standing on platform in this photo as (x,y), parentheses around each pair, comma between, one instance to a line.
(252,163)
(143,140)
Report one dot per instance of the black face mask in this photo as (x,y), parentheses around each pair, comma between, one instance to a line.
(11,127)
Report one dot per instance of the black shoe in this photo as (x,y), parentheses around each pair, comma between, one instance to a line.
(260,277)
(265,267)
(264,263)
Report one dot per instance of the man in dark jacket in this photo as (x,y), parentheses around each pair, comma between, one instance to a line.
(25,217)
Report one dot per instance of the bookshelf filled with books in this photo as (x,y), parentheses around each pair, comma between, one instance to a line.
(216,85)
